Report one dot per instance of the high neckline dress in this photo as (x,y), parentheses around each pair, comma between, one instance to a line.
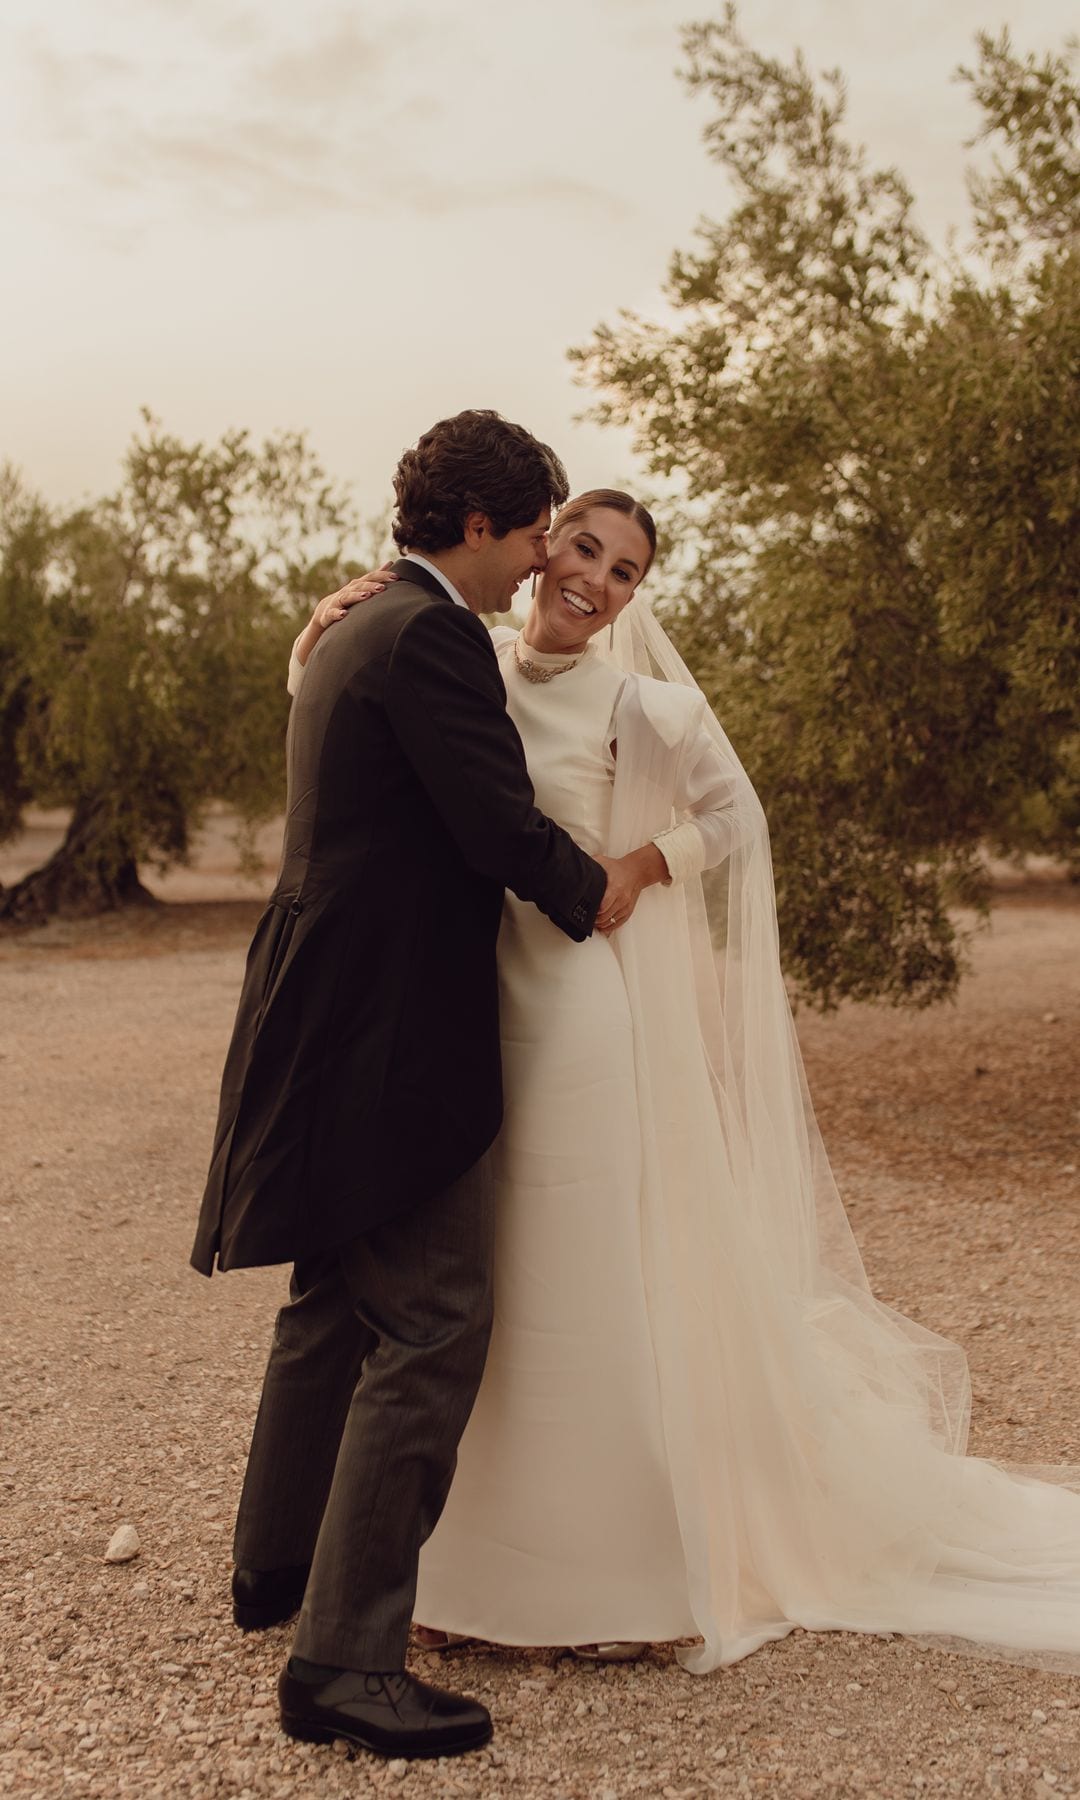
(560,1527)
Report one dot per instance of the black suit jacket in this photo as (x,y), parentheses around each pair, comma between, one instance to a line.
(364,1071)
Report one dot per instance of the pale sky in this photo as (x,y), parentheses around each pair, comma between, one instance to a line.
(354,220)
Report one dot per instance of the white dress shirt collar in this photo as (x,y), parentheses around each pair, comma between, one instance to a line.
(415,556)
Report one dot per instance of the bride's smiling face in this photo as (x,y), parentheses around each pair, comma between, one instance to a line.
(593,566)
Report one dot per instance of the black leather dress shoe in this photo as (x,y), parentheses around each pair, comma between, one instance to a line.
(264,1597)
(391,1715)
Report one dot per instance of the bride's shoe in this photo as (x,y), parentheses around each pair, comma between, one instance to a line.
(429,1638)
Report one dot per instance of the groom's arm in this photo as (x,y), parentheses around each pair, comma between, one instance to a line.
(446,704)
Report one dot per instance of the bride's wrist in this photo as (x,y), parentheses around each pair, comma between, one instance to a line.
(308,639)
(649,865)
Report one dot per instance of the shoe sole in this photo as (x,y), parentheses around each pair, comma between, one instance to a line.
(260,1618)
(311,1733)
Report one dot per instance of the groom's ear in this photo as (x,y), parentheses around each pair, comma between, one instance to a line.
(477,528)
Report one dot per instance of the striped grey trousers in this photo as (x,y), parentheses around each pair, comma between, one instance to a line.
(373,1371)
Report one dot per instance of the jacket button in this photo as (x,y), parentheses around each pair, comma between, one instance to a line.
(296,908)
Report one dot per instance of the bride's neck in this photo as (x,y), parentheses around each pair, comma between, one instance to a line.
(538,639)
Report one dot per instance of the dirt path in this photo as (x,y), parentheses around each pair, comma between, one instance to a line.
(129,1388)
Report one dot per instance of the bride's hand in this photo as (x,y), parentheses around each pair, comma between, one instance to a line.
(361,587)
(627,877)
(334,606)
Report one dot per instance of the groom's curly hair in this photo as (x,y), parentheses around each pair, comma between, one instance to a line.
(475,462)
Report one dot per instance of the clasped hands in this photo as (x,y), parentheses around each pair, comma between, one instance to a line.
(627,876)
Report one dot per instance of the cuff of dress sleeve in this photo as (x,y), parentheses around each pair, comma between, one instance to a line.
(683,849)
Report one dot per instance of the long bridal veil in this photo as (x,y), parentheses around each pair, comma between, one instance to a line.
(816,1438)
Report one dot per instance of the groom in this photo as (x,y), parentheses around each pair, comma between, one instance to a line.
(362,1087)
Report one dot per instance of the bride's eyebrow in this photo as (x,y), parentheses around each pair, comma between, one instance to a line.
(593,539)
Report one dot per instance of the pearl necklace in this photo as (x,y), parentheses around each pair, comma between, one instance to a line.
(534,671)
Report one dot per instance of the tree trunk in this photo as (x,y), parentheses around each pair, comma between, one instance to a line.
(84,876)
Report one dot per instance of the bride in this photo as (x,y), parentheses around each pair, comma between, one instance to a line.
(696,1422)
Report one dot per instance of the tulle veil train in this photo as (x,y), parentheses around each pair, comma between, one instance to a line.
(816,1438)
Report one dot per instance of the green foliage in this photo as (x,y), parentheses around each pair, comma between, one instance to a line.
(25,538)
(1033,106)
(874,554)
(143,642)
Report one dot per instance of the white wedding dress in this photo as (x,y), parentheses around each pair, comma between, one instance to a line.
(695,1419)
(561,1527)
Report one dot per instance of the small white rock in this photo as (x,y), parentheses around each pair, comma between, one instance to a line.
(123,1545)
(398,1767)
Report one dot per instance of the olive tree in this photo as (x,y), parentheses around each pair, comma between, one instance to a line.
(871,459)
(143,641)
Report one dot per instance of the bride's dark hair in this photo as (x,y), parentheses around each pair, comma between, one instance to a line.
(615,501)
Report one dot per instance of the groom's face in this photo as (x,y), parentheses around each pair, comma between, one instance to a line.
(510,560)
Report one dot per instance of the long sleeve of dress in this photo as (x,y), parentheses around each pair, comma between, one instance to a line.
(296,667)
(706,805)
(683,849)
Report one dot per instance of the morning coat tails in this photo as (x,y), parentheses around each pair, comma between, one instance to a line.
(363,1074)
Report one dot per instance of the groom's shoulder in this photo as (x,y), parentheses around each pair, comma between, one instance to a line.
(407,627)
(427,624)
(372,628)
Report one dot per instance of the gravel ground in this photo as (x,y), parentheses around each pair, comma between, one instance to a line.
(130,1385)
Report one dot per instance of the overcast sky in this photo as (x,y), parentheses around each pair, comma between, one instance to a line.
(355,219)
